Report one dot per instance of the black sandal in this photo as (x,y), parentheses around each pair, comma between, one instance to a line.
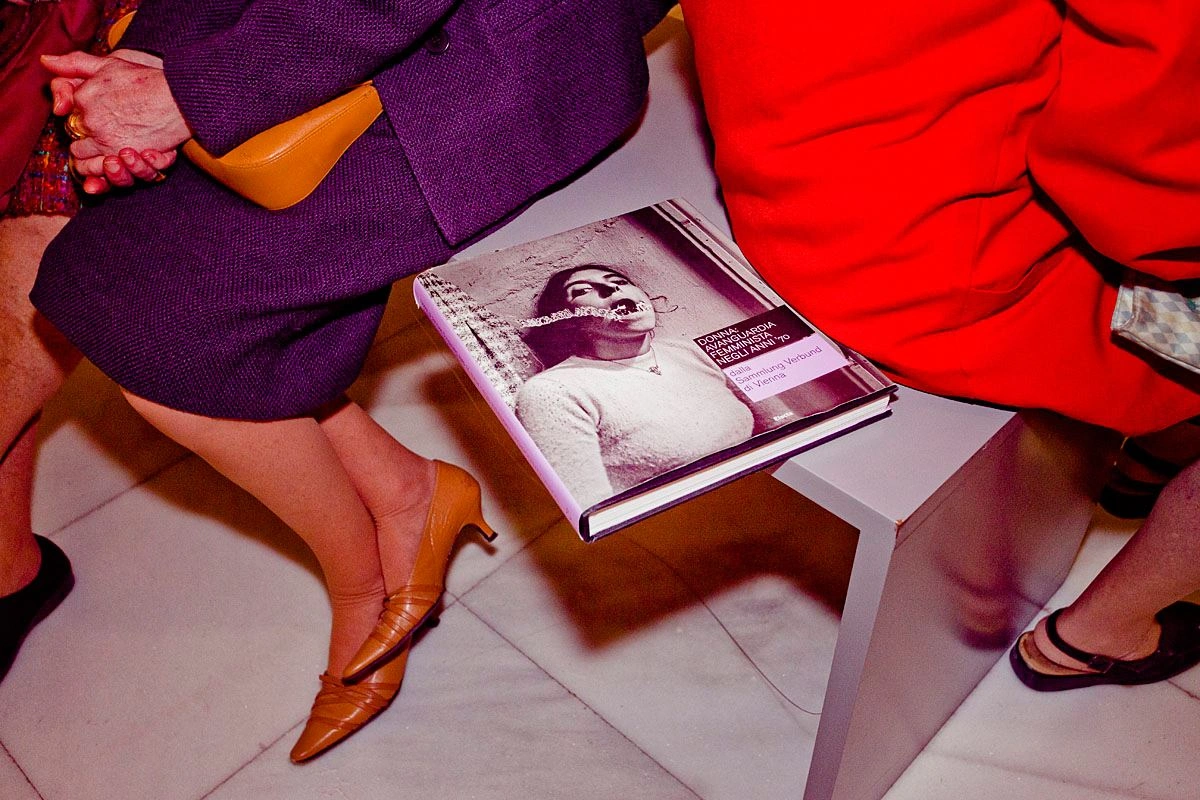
(1129,498)
(1178,650)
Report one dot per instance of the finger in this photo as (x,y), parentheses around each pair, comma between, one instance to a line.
(63,90)
(76,64)
(137,166)
(86,148)
(116,173)
(94,185)
(88,167)
(88,174)
(159,159)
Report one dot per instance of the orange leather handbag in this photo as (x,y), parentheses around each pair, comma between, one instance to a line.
(283,165)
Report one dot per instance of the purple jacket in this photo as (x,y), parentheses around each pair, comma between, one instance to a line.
(511,95)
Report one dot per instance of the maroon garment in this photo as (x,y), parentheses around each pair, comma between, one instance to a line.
(192,297)
(46,186)
(26,33)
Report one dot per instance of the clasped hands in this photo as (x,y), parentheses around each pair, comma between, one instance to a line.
(127,125)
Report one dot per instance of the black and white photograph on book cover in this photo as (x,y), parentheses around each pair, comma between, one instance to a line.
(639,344)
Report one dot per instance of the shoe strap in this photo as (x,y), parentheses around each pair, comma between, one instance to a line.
(405,609)
(1123,484)
(414,594)
(373,696)
(1168,469)
(1099,663)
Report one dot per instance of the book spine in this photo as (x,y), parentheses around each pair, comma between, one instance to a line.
(506,415)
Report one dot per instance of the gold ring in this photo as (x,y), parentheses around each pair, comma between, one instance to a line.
(159,177)
(73,125)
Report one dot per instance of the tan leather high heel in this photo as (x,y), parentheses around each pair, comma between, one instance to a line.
(455,507)
(341,709)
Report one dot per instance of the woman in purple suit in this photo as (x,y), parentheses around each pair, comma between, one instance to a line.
(236,330)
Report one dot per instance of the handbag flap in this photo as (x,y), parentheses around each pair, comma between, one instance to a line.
(284,164)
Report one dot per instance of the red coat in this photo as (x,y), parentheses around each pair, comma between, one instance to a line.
(904,172)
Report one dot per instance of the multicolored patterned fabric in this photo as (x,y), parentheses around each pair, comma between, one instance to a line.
(1162,317)
(46,186)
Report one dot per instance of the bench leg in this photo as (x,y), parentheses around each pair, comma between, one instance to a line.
(934,600)
(872,562)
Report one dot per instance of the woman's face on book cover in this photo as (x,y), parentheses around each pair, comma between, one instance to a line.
(630,311)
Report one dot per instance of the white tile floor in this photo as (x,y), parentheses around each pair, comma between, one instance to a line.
(682,658)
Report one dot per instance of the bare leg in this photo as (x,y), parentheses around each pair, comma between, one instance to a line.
(20,557)
(1159,565)
(395,483)
(34,361)
(291,467)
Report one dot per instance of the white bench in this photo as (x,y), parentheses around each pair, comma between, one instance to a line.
(968,516)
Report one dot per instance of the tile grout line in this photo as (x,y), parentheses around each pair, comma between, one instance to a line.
(1045,776)
(549,527)
(728,633)
(581,701)
(249,762)
(157,472)
(186,455)
(401,330)
(21,769)
(456,600)
(1187,692)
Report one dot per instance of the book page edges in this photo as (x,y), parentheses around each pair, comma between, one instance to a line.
(729,464)
(508,419)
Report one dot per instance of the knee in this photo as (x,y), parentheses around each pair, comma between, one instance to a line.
(160,417)
(56,346)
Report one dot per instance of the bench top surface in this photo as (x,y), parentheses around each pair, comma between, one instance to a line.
(892,466)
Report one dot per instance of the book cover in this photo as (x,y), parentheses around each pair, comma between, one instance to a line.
(640,360)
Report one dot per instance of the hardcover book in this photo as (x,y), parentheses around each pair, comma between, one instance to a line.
(640,360)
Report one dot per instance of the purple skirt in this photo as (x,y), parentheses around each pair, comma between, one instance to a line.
(194,298)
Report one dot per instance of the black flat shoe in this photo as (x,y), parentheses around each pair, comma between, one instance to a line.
(1178,650)
(29,605)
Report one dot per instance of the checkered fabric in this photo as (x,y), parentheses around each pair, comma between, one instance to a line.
(1162,317)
